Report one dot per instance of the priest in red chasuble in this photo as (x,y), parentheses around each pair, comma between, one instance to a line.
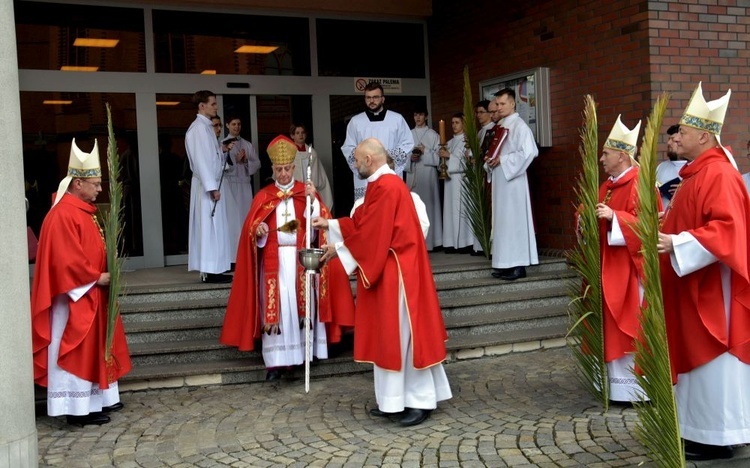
(706,286)
(267,300)
(621,260)
(398,322)
(69,298)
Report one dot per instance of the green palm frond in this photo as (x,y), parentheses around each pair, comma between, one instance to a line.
(113,229)
(474,190)
(658,430)
(586,331)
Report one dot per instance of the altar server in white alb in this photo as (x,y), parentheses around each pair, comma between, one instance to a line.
(457,235)
(513,237)
(308,157)
(208,238)
(376,122)
(238,180)
(422,174)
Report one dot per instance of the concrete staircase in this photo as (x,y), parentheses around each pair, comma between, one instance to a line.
(173,328)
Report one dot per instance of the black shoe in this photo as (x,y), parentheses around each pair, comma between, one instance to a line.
(216,278)
(414,416)
(90,419)
(465,250)
(113,408)
(696,451)
(515,273)
(449,250)
(382,414)
(477,253)
(274,374)
(500,272)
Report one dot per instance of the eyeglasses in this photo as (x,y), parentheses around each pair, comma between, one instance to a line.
(95,184)
(373,98)
(482,112)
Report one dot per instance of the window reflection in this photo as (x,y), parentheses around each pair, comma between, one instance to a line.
(46,35)
(48,130)
(211,43)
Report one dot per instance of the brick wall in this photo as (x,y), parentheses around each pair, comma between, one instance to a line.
(597,48)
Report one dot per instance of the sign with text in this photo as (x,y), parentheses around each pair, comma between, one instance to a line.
(390,85)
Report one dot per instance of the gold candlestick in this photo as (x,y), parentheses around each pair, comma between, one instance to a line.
(443,167)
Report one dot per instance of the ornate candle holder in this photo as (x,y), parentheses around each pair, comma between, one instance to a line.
(443,167)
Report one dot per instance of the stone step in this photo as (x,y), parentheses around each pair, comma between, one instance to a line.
(467,287)
(179,292)
(249,368)
(494,303)
(506,321)
(173,310)
(173,330)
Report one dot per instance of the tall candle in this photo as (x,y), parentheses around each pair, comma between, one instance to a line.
(442,132)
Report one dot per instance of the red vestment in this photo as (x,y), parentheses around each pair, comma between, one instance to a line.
(712,204)
(242,322)
(385,239)
(622,267)
(72,254)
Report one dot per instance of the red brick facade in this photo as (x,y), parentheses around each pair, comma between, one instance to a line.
(623,52)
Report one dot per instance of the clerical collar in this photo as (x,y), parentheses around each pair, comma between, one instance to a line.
(379,117)
(618,177)
(285,188)
(302,147)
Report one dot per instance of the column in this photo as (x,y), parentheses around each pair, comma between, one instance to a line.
(18,437)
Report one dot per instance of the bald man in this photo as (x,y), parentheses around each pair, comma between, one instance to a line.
(396,296)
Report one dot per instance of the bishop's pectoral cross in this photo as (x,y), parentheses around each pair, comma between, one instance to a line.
(286,214)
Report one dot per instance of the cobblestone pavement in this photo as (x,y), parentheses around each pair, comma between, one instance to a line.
(515,410)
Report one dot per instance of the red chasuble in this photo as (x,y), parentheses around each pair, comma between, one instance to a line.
(712,204)
(242,322)
(622,267)
(72,254)
(386,240)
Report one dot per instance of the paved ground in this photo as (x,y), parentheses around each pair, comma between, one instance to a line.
(514,410)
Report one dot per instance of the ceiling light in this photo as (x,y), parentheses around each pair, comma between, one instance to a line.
(208,72)
(167,103)
(56,101)
(93,42)
(76,68)
(254,49)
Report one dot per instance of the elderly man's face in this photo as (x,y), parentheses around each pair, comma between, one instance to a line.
(361,163)
(283,173)
(686,142)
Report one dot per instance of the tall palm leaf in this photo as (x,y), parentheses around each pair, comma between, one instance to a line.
(113,228)
(587,325)
(658,430)
(474,192)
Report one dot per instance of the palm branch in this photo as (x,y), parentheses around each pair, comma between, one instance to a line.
(587,325)
(658,430)
(113,229)
(473,191)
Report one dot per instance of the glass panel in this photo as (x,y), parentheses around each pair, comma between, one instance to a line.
(397,49)
(46,35)
(188,42)
(47,134)
(174,114)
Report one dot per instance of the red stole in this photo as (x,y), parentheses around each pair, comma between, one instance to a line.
(242,320)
